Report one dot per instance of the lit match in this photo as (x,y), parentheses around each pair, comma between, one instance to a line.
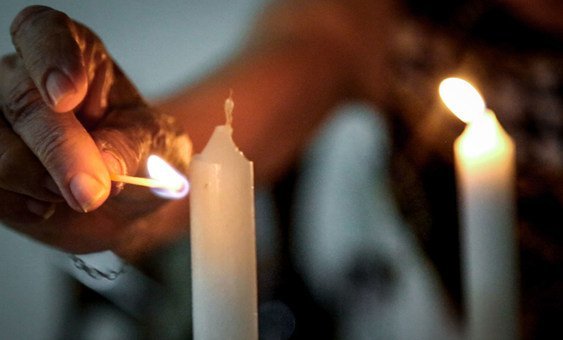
(143,181)
(165,181)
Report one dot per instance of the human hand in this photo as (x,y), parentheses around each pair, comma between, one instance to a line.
(70,118)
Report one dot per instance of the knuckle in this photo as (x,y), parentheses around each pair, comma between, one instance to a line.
(52,139)
(26,17)
(34,122)
(22,102)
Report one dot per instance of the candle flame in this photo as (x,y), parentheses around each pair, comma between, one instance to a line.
(175,185)
(484,138)
(462,99)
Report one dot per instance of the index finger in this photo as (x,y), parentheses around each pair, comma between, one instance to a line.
(58,140)
(48,43)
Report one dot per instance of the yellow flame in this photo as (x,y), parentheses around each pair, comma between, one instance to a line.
(174,182)
(484,138)
(462,99)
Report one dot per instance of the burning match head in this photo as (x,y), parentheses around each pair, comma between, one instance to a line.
(179,193)
(175,186)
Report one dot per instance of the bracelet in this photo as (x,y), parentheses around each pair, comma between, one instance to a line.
(94,272)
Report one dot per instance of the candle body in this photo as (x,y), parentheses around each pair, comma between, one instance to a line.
(485,169)
(223,245)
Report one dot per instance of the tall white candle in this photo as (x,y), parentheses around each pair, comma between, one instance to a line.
(223,242)
(485,171)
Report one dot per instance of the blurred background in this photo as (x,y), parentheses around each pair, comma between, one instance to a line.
(347,267)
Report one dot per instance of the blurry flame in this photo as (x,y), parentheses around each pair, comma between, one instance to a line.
(462,99)
(175,185)
(484,138)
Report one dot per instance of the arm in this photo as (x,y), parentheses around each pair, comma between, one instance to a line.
(70,117)
(304,58)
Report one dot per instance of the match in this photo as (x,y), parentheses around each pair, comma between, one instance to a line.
(142,181)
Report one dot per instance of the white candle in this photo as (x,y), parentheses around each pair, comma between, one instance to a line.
(485,171)
(223,243)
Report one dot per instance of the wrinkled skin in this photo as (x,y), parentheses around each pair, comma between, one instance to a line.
(70,117)
(293,71)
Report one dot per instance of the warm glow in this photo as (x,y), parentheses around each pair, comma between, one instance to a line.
(462,99)
(483,139)
(174,184)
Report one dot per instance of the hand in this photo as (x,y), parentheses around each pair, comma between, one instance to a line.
(70,118)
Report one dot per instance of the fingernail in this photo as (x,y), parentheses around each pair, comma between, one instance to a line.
(42,209)
(59,88)
(87,191)
(113,163)
(115,166)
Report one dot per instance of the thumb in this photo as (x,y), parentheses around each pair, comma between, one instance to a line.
(46,40)
(58,140)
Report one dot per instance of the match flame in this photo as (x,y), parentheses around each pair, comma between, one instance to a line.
(462,99)
(175,185)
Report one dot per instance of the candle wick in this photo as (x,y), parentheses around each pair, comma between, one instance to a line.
(229,106)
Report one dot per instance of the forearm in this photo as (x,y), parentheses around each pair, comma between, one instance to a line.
(284,85)
(304,58)
(279,100)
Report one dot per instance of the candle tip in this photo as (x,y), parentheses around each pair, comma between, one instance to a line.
(229,106)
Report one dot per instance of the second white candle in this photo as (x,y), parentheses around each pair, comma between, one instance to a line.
(485,165)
